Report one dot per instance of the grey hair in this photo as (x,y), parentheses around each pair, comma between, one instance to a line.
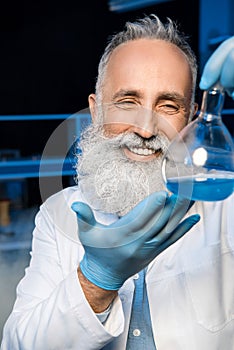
(149,27)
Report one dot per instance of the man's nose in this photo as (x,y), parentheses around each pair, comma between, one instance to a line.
(145,124)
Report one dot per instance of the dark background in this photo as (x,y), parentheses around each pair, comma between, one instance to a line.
(49,57)
(50,50)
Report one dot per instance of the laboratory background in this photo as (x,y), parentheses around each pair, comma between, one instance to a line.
(48,66)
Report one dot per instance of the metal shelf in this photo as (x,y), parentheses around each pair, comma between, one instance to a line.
(53,165)
(29,168)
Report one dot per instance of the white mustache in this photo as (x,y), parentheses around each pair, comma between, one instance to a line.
(132,140)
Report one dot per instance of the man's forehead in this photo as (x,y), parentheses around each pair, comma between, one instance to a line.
(146,47)
(146,59)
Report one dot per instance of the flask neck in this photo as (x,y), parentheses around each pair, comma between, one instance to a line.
(212,103)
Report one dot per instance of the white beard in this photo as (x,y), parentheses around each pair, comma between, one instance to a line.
(110,181)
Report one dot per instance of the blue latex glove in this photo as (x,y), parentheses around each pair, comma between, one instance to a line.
(220,67)
(114,253)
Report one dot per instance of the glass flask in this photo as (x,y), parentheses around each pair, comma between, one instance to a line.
(199,162)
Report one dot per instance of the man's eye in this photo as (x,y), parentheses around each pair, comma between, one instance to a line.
(169,108)
(128,105)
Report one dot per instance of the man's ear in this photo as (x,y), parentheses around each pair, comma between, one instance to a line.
(195,109)
(193,113)
(92,106)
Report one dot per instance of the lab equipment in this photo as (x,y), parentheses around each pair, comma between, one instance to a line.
(199,162)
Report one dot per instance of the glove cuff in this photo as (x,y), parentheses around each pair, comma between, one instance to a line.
(96,277)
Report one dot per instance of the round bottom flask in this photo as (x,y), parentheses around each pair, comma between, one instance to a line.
(199,163)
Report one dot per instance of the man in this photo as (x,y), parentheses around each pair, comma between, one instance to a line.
(93,241)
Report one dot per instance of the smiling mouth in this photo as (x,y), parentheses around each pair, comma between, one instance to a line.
(141,154)
(142,151)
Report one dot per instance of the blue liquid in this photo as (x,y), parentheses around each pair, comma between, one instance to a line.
(202,188)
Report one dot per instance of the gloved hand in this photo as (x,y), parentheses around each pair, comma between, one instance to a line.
(220,67)
(114,253)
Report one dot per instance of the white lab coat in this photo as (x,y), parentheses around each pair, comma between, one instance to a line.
(190,287)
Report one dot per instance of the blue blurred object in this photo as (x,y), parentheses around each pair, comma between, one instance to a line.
(28,168)
(220,68)
(14,191)
(129,5)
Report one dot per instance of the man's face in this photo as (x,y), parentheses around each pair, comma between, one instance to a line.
(147,90)
(146,101)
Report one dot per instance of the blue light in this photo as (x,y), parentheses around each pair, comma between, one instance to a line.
(128,5)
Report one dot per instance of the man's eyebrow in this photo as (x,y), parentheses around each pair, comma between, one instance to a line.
(175,96)
(126,92)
